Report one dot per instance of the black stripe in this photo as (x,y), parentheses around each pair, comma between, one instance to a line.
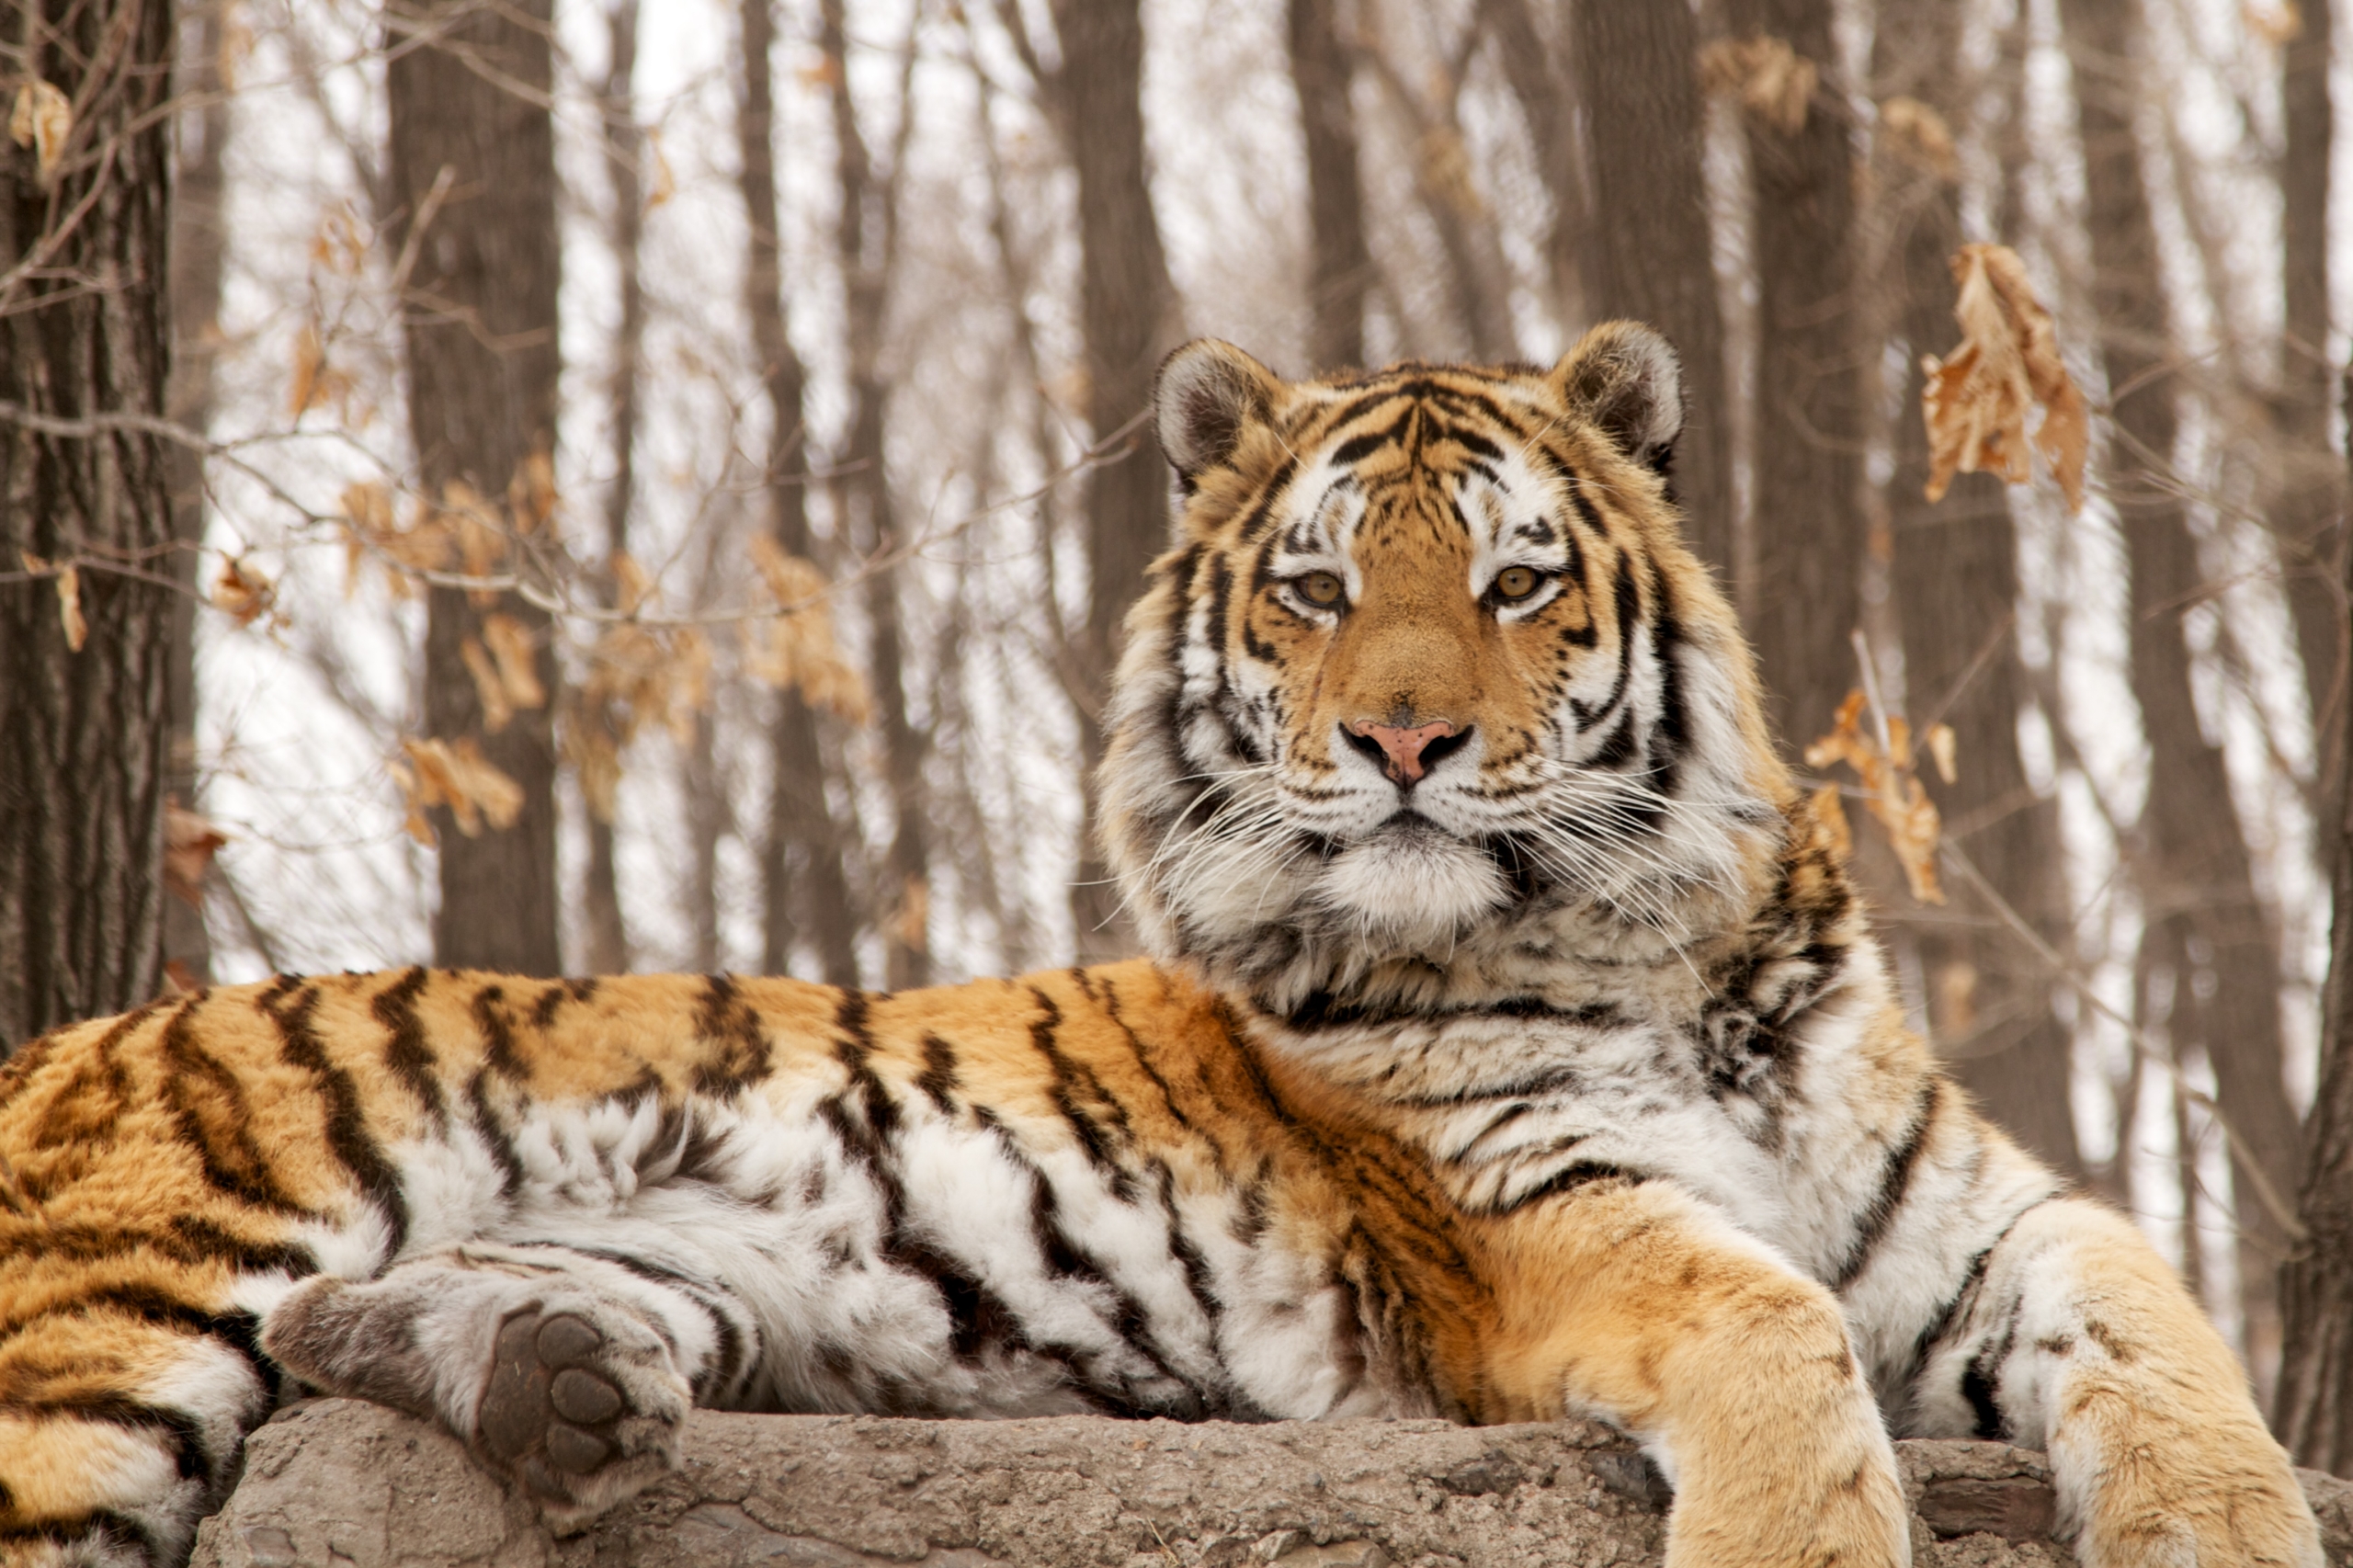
(1895,1180)
(939,1080)
(728,1022)
(407,1053)
(1070,1077)
(498,1037)
(231,1161)
(1568,1179)
(354,1145)
(501,1146)
(1356,449)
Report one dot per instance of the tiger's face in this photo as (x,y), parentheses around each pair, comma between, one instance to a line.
(1430,680)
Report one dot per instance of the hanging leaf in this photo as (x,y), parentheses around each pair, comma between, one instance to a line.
(1892,791)
(1977,399)
(496,711)
(456,775)
(1919,135)
(510,645)
(189,842)
(243,592)
(42,120)
(797,648)
(1773,82)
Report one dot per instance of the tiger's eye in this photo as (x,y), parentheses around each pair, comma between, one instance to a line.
(1319,589)
(1517,582)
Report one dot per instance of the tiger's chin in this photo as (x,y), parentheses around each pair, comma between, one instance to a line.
(1412,885)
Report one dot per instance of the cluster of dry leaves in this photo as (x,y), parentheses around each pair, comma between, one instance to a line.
(638,671)
(1977,399)
(1886,763)
(41,119)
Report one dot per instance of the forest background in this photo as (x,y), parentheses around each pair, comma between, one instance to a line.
(608,485)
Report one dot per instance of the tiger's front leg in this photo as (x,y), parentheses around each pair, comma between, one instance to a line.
(1642,1305)
(2081,1340)
(567,1384)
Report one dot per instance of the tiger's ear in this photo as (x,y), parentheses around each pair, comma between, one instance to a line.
(1208,393)
(1626,379)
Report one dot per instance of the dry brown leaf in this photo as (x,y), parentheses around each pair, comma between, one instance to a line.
(1919,135)
(910,925)
(510,645)
(190,841)
(1942,742)
(69,596)
(665,183)
(1830,817)
(2277,24)
(456,775)
(1892,791)
(635,588)
(314,382)
(797,648)
(1449,174)
(42,120)
(1772,81)
(1956,1013)
(336,244)
(243,592)
(530,494)
(496,711)
(480,533)
(1976,399)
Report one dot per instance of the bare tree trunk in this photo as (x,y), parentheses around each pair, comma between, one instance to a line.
(1125,308)
(2308,517)
(624,153)
(2204,922)
(2313,1412)
(705,824)
(1540,84)
(1810,525)
(1636,69)
(1957,595)
(468,91)
(863,495)
(84,336)
(199,243)
(802,887)
(1340,266)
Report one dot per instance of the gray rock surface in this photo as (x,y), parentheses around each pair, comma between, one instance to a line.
(339,1484)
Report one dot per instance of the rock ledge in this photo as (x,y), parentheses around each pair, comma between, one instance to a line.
(336,1483)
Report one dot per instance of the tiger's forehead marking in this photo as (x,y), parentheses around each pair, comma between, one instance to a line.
(1422,450)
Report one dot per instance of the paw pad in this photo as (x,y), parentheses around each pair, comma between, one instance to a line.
(547,1414)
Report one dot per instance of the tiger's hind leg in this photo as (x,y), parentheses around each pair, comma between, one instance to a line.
(119,1431)
(561,1373)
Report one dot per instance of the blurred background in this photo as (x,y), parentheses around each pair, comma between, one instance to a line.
(655,485)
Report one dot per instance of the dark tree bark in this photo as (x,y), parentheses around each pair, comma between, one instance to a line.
(84,342)
(1126,307)
(1637,80)
(200,244)
(2313,1411)
(803,890)
(1540,84)
(2308,519)
(624,157)
(2208,941)
(1810,526)
(1957,594)
(862,493)
(480,320)
(1339,267)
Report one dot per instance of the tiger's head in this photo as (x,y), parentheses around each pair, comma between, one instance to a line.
(1430,694)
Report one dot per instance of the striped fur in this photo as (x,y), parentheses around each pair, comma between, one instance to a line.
(1566,1078)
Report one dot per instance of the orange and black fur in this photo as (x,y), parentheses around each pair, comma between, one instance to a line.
(1513,1045)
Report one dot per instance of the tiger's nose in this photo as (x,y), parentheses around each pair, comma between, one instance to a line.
(1403,748)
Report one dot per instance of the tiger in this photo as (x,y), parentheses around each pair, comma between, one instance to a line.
(1511,1045)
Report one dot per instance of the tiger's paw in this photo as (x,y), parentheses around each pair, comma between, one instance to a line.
(2221,1498)
(582,1409)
